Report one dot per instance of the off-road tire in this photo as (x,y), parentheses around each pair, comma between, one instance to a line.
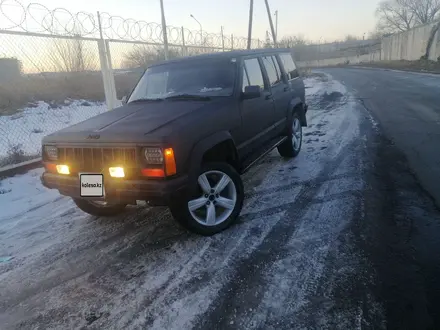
(287,148)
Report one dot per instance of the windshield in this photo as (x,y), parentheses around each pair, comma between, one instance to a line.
(205,78)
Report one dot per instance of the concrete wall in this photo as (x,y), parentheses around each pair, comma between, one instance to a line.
(334,50)
(411,45)
(376,56)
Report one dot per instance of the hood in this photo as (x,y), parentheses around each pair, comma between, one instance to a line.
(129,123)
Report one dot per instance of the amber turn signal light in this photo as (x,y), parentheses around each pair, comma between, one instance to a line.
(170,162)
(51,167)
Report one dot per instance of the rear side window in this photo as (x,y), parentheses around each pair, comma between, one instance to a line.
(272,69)
(289,66)
(252,75)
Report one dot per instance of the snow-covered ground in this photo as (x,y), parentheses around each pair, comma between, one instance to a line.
(289,261)
(26,128)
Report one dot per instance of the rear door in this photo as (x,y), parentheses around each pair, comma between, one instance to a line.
(280,91)
(292,76)
(257,114)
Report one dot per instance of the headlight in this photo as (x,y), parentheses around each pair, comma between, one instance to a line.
(51,152)
(153,156)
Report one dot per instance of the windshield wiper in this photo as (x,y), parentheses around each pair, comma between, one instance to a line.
(145,100)
(188,97)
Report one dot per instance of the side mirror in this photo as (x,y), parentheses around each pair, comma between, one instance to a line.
(251,92)
(124,99)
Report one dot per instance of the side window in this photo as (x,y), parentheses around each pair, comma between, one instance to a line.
(289,66)
(254,74)
(271,70)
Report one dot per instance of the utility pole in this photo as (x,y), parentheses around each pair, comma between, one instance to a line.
(164,30)
(271,24)
(276,23)
(251,14)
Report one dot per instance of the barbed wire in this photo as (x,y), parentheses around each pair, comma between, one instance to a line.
(37,18)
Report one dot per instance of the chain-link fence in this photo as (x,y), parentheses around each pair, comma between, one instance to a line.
(59,68)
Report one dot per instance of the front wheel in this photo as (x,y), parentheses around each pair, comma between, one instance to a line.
(292,146)
(98,208)
(216,204)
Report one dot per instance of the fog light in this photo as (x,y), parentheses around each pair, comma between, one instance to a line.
(63,169)
(116,172)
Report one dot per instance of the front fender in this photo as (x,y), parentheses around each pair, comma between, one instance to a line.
(298,104)
(199,149)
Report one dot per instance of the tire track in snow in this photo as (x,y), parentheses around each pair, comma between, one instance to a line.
(250,270)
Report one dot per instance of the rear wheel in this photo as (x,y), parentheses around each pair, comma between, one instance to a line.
(215,205)
(98,208)
(292,146)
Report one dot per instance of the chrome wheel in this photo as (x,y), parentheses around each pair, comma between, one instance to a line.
(217,201)
(296,134)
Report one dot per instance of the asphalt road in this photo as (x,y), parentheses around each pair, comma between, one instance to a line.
(407,108)
(407,105)
(342,237)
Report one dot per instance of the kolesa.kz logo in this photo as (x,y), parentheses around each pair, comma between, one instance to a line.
(91,185)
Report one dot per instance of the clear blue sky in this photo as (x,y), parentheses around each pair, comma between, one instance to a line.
(315,19)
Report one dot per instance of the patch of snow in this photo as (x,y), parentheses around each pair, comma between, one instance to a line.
(21,194)
(313,85)
(27,127)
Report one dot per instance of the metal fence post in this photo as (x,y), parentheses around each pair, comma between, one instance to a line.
(223,39)
(183,43)
(164,30)
(251,11)
(103,59)
(111,77)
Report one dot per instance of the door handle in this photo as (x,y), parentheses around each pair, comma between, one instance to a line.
(286,89)
(268,97)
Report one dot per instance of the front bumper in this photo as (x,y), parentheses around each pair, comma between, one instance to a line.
(156,192)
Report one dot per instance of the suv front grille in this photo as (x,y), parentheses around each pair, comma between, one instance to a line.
(97,159)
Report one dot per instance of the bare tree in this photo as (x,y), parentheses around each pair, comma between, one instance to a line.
(401,15)
(72,55)
(292,41)
(350,37)
(376,34)
(394,16)
(143,56)
(299,44)
(425,11)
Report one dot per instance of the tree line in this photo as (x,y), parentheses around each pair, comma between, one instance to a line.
(394,16)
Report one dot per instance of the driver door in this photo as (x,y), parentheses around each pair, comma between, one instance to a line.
(257,114)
